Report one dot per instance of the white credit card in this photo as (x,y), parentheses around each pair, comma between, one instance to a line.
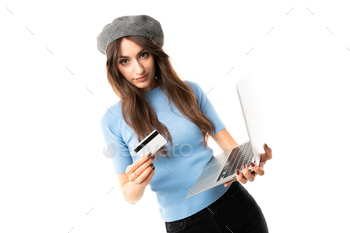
(151,143)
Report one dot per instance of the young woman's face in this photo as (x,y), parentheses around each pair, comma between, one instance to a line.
(134,63)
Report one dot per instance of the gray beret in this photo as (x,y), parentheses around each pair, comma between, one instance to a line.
(141,25)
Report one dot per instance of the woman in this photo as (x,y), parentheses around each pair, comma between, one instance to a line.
(152,96)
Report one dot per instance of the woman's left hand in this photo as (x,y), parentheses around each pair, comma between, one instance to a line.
(250,176)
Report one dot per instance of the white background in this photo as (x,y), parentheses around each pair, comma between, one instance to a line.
(54,90)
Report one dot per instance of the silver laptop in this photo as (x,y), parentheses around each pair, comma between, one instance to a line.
(222,168)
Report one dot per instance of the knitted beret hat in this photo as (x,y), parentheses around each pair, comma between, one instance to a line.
(140,25)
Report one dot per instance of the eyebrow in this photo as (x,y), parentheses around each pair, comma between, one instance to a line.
(128,57)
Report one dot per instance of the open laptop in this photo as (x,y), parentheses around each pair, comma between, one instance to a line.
(222,168)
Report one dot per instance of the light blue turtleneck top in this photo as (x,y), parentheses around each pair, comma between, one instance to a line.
(187,159)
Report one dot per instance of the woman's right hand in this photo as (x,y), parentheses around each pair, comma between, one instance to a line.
(142,170)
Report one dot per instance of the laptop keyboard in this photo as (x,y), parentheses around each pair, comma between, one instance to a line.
(241,154)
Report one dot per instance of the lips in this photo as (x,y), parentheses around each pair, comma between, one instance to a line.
(141,77)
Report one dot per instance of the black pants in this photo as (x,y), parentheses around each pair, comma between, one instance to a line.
(235,211)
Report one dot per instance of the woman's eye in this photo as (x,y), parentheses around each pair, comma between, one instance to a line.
(122,61)
(144,53)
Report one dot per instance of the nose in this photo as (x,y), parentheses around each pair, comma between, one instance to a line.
(138,68)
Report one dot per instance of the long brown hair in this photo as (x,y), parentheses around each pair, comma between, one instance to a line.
(142,117)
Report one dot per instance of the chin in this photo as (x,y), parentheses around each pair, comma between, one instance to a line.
(144,85)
